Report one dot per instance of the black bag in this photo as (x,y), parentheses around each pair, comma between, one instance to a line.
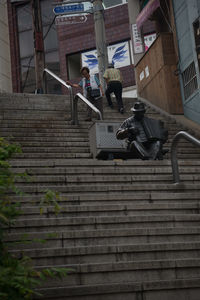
(95,93)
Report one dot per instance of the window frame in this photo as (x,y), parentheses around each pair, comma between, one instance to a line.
(123,2)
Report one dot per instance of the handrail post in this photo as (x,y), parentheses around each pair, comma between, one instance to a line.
(44,82)
(79,95)
(63,83)
(75,110)
(174,162)
(73,100)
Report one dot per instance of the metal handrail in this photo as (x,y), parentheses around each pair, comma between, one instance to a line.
(63,83)
(178,136)
(73,100)
(80,96)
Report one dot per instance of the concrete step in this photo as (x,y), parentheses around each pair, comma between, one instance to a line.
(111,210)
(108,179)
(53,140)
(111,253)
(98,237)
(58,123)
(66,155)
(73,155)
(53,131)
(156,290)
(75,172)
(95,163)
(74,140)
(131,271)
(112,188)
(33,124)
(73,148)
(125,198)
(93,222)
(36,115)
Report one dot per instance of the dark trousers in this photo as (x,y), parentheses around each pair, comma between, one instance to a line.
(116,88)
(148,150)
(98,103)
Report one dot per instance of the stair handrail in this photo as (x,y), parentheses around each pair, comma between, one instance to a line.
(73,100)
(84,99)
(63,83)
(174,161)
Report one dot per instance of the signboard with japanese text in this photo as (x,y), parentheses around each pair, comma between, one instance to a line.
(64,20)
(68,8)
(137,40)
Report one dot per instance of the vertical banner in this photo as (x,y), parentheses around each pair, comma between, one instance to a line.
(137,40)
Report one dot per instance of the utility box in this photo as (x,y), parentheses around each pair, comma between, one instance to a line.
(103,141)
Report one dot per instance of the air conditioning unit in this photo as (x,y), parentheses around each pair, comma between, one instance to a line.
(103,141)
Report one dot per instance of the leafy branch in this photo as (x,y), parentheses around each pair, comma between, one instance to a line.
(18,278)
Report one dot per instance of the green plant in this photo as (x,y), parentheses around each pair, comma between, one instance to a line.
(18,279)
(50,198)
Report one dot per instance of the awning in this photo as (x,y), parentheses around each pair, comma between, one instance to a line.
(147,11)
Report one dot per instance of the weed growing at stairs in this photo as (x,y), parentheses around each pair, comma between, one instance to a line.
(18,278)
(50,198)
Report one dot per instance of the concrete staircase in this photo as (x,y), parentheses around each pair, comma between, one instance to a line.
(125,230)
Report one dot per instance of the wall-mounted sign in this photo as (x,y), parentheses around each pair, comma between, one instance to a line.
(141,75)
(148,40)
(64,20)
(137,40)
(118,54)
(146,71)
(68,8)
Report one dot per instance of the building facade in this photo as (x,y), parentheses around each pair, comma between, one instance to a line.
(168,74)
(187,20)
(5,62)
(22,45)
(68,47)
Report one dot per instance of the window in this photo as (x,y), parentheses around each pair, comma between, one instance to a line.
(189,80)
(73,65)
(26,45)
(24,17)
(52,63)
(111,3)
(196,26)
(28,74)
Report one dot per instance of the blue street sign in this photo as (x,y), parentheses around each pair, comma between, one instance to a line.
(67,8)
